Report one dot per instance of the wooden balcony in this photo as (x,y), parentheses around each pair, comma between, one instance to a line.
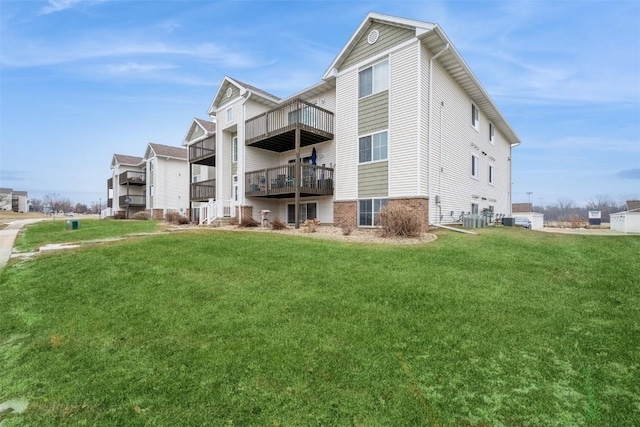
(203,152)
(133,178)
(275,130)
(203,190)
(280,181)
(136,201)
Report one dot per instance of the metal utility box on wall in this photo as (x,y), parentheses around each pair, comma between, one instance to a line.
(73,224)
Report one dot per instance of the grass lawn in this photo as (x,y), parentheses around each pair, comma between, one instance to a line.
(55,231)
(510,327)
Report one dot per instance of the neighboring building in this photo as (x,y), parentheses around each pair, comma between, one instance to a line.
(156,183)
(627,221)
(13,200)
(200,141)
(526,210)
(398,118)
(167,171)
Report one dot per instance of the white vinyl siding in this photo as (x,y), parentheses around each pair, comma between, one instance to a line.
(475,117)
(346,124)
(452,137)
(403,122)
(491,175)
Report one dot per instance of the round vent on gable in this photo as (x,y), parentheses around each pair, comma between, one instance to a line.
(229,92)
(373,36)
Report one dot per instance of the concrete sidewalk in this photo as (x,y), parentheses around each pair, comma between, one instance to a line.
(8,237)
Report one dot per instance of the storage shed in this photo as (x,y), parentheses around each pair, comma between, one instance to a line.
(627,221)
(525,210)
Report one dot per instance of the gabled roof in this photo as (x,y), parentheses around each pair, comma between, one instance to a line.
(208,126)
(633,205)
(123,159)
(434,38)
(160,150)
(208,129)
(266,97)
(419,26)
(521,207)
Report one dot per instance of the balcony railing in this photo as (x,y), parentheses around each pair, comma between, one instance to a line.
(110,184)
(280,181)
(134,200)
(203,152)
(133,178)
(203,190)
(275,129)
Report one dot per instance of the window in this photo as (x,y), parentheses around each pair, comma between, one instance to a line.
(474,209)
(368,211)
(229,115)
(491,133)
(474,165)
(491,175)
(234,149)
(373,147)
(373,79)
(151,190)
(474,116)
(307,211)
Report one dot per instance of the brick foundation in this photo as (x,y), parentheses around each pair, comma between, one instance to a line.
(418,205)
(345,214)
(157,214)
(246,211)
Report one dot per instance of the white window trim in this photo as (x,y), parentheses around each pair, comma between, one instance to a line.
(477,168)
(234,149)
(476,117)
(373,91)
(371,135)
(373,213)
(492,133)
(491,178)
(229,114)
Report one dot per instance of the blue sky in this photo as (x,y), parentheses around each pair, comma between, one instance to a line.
(81,80)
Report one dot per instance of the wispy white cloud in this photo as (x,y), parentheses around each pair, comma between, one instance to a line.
(60,5)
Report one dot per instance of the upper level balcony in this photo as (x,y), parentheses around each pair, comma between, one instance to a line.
(275,129)
(133,178)
(203,152)
(203,190)
(134,201)
(280,181)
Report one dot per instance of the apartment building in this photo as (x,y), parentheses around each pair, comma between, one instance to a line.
(156,183)
(14,200)
(398,118)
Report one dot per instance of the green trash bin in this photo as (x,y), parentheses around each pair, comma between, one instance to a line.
(73,224)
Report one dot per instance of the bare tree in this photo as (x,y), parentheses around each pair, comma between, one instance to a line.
(565,205)
(58,203)
(36,205)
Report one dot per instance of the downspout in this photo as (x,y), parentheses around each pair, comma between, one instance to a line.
(429,121)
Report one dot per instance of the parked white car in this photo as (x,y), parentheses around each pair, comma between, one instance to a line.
(521,221)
